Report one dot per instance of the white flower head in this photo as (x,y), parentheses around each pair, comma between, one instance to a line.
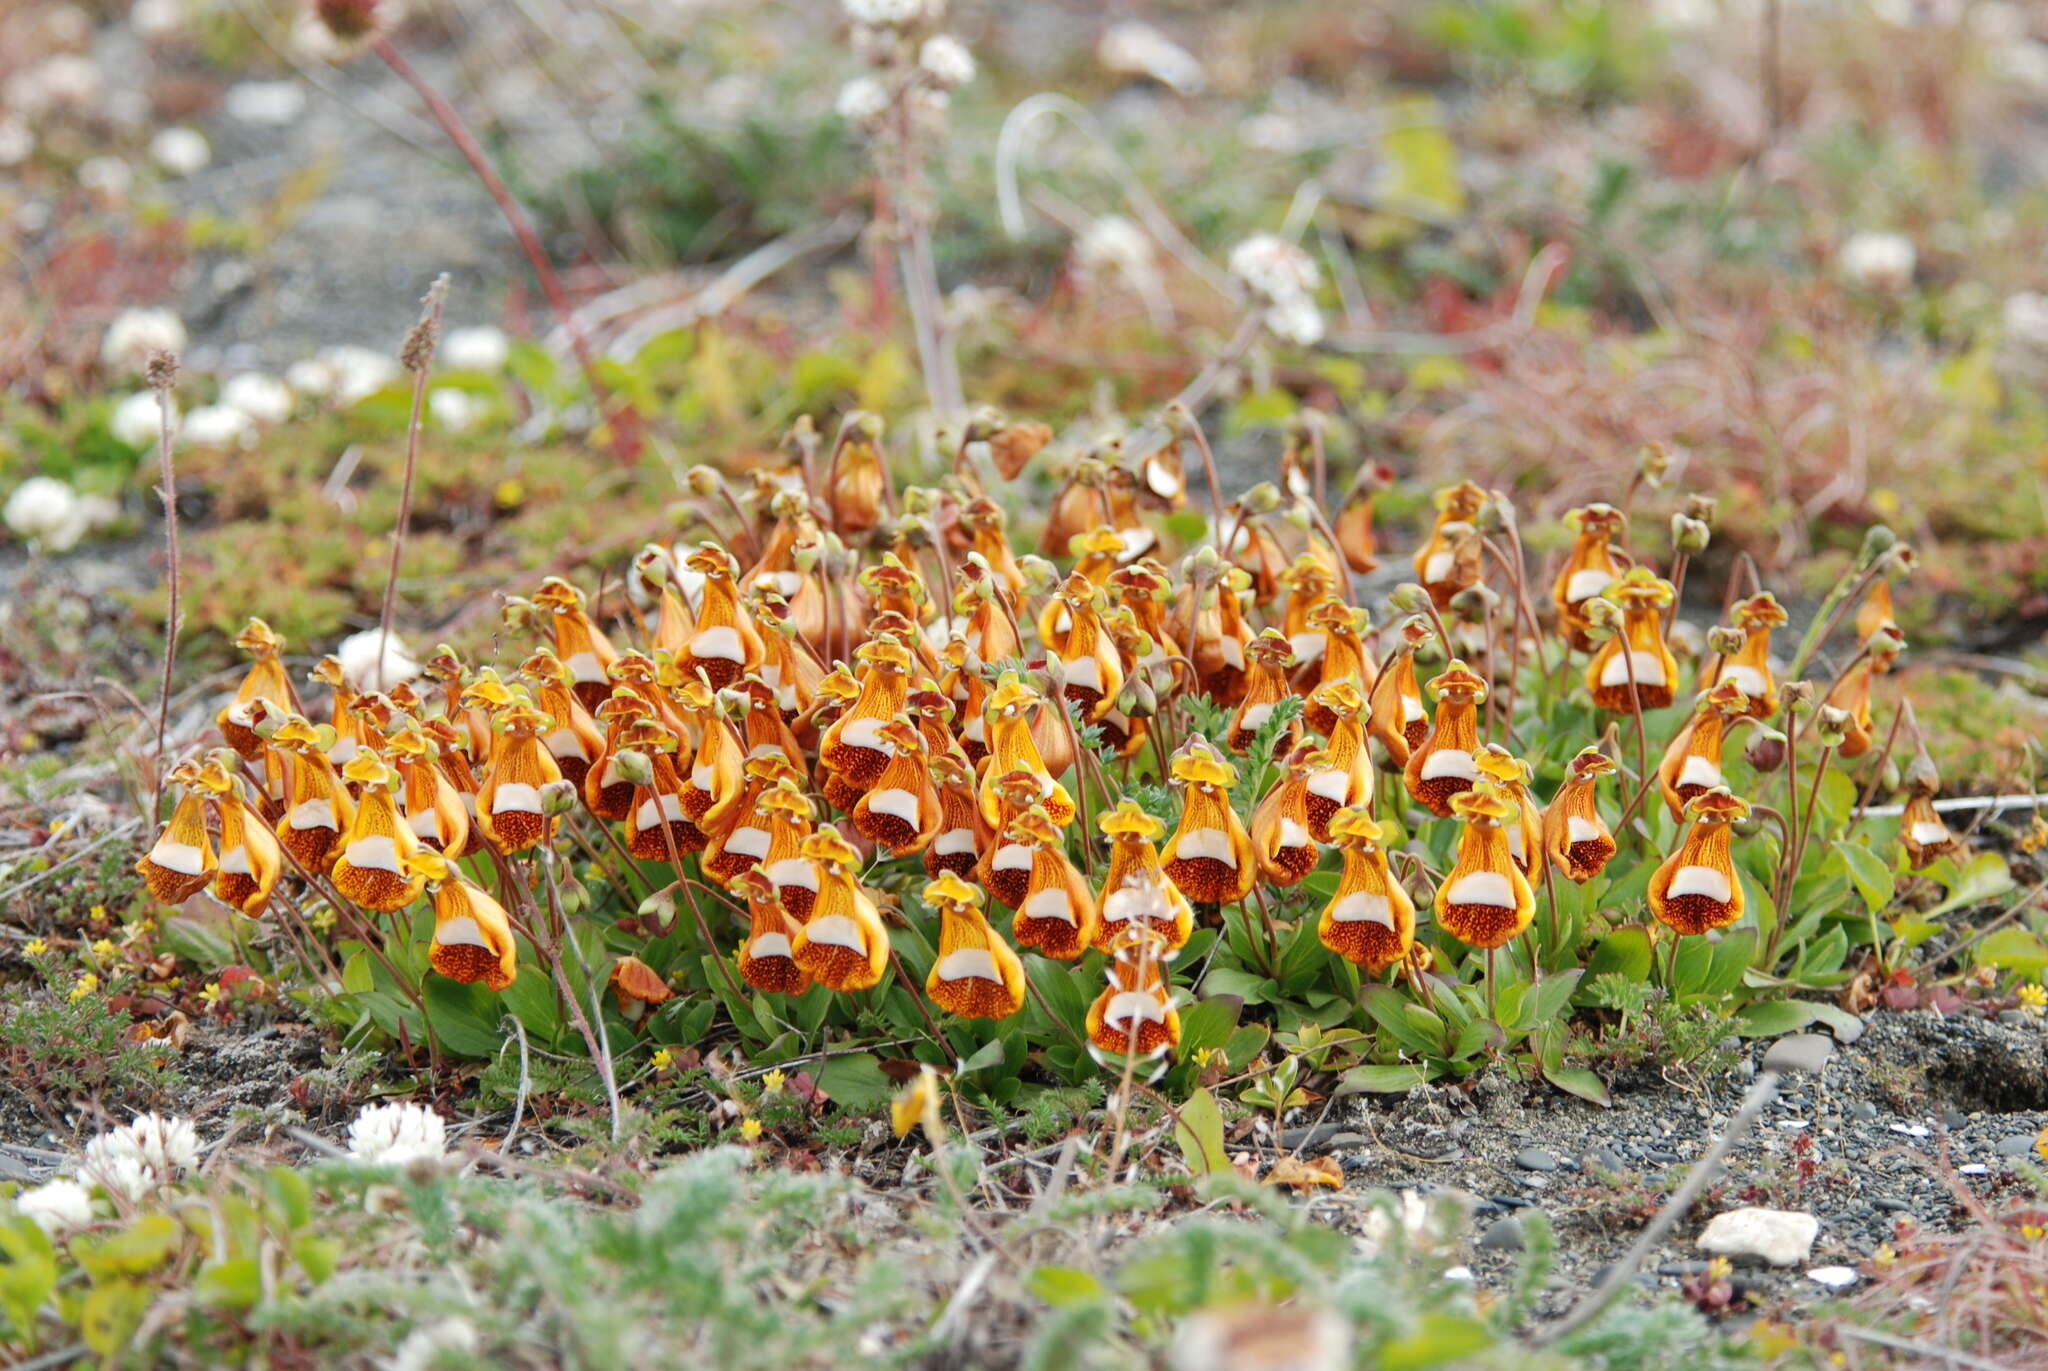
(45,511)
(137,418)
(1114,242)
(1273,267)
(144,1155)
(136,335)
(454,410)
(262,397)
(1879,261)
(169,1144)
(122,1176)
(180,151)
(357,371)
(216,426)
(946,60)
(1296,319)
(862,100)
(360,666)
(878,14)
(57,1206)
(397,1135)
(482,348)
(435,1344)
(2026,319)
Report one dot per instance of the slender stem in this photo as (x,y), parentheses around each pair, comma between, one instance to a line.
(1832,609)
(1635,706)
(1671,966)
(419,351)
(917,999)
(1194,431)
(164,372)
(626,419)
(1492,1012)
(1891,738)
(601,1047)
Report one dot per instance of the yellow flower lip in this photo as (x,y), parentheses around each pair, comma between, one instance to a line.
(1100,541)
(213,774)
(544,665)
(368,768)
(930,704)
(633,665)
(1761,611)
(185,772)
(1335,614)
(410,743)
(892,577)
(1718,804)
(1640,588)
(558,595)
(521,717)
(1457,679)
(328,671)
(1483,803)
(902,735)
(838,684)
(488,691)
(771,767)
(442,663)
(1591,763)
(1020,788)
(1355,825)
(298,732)
(1271,649)
(1129,821)
(711,559)
(258,639)
(695,695)
(951,893)
(1199,764)
(1340,697)
(784,797)
(826,845)
(429,865)
(1727,697)
(1307,573)
(1078,590)
(1012,695)
(885,653)
(1034,828)
(623,703)
(1496,763)
(1460,501)
(1595,518)
(646,733)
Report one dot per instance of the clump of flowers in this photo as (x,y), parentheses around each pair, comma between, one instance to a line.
(144,1155)
(397,1135)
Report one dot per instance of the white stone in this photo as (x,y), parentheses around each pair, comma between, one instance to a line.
(180,151)
(1833,1277)
(269,103)
(1879,261)
(1776,1237)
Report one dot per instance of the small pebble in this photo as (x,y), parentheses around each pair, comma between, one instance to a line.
(2016,1146)
(1458,1273)
(1793,1125)
(1681,1268)
(1807,1052)
(1973,1169)
(1913,1130)
(1862,1111)
(1833,1277)
(1890,1205)
(1502,1235)
(1954,1118)
(1535,1159)
(2014,1018)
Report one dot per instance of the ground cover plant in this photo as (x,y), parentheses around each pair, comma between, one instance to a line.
(1090,775)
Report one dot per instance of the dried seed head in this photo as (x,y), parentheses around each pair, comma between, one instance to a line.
(425,335)
(161,371)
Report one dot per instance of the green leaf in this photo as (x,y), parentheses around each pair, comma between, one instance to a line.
(1624,952)
(236,1283)
(1199,1131)
(2014,949)
(1873,878)
(145,1244)
(1985,878)
(1731,957)
(1769,1018)
(465,1017)
(989,1054)
(27,1278)
(1208,1024)
(1553,994)
(1228,980)
(1063,1287)
(1475,1037)
(316,1256)
(1246,1042)
(1388,1008)
(111,1313)
(1439,1339)
(1577,1080)
(1396,1079)
(357,977)
(856,1081)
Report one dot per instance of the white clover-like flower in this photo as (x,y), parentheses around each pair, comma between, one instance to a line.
(1273,267)
(310,376)
(122,1176)
(1879,261)
(862,100)
(2026,319)
(146,1154)
(1112,241)
(66,80)
(877,14)
(1296,319)
(357,371)
(360,664)
(482,348)
(45,511)
(454,410)
(57,1206)
(397,1135)
(262,397)
(136,419)
(180,151)
(17,143)
(269,103)
(168,1144)
(136,335)
(216,426)
(946,60)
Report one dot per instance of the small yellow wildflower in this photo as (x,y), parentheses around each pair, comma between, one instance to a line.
(1883,1257)
(321,917)
(57,827)
(98,911)
(1719,1269)
(663,1058)
(772,1083)
(510,492)
(211,995)
(1203,1057)
(2033,1232)
(1886,501)
(750,1128)
(103,950)
(2034,1000)
(34,947)
(2036,836)
(919,1105)
(2041,1144)
(87,984)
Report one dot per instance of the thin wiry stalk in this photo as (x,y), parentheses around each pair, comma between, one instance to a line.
(418,355)
(163,374)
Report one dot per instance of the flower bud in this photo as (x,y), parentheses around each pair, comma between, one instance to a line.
(1690,535)
(1474,604)
(634,766)
(1748,826)
(1796,695)
(1603,618)
(1702,507)
(573,895)
(1652,464)
(1262,498)
(557,798)
(1877,540)
(1725,640)
(660,908)
(1831,725)
(1040,576)
(1766,750)
(701,481)
(520,614)
(1409,598)
(1495,517)
(1886,642)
